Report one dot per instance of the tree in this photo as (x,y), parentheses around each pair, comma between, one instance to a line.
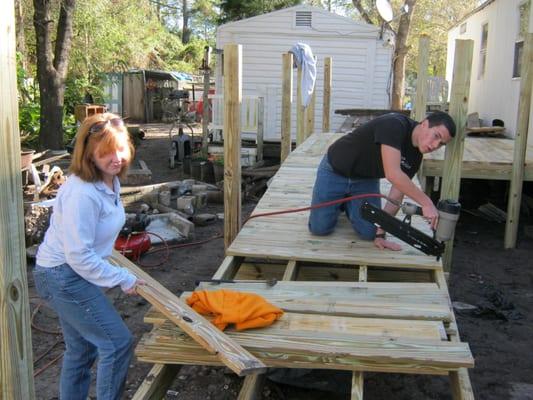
(436,21)
(233,10)
(20,37)
(205,17)
(185,30)
(424,18)
(52,67)
(369,14)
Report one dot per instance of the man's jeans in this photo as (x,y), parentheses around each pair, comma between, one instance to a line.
(331,186)
(91,327)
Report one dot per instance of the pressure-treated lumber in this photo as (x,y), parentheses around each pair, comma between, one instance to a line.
(460,379)
(260,127)
(310,349)
(362,299)
(520,145)
(300,109)
(251,387)
(202,331)
(310,115)
(422,78)
(458,110)
(156,383)
(326,105)
(291,271)
(392,329)
(340,273)
(287,236)
(483,158)
(228,268)
(286,105)
(205,99)
(232,141)
(357,386)
(16,365)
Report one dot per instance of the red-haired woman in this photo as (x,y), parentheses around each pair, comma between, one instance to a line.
(71,266)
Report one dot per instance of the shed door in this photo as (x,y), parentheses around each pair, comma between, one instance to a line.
(134,97)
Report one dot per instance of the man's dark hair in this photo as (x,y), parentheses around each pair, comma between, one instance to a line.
(441,118)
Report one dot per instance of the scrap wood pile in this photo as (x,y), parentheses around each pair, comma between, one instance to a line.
(255,180)
(171,209)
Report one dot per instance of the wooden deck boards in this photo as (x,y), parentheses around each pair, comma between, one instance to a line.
(287,237)
(484,158)
(365,299)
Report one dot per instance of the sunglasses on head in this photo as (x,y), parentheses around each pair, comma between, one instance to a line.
(98,126)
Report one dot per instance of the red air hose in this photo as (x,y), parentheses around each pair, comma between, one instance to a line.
(325,204)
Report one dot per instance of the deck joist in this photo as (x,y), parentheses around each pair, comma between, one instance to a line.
(348,305)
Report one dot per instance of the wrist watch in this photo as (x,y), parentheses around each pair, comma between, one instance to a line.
(381,235)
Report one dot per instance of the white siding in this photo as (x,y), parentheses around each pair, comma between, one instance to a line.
(496,93)
(361,62)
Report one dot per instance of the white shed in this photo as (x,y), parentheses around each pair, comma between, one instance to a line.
(497,28)
(361,64)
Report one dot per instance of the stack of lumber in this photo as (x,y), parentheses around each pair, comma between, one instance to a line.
(367,326)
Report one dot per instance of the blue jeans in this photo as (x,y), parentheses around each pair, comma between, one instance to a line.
(331,186)
(91,327)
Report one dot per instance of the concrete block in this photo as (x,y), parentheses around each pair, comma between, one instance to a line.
(186,204)
(200,200)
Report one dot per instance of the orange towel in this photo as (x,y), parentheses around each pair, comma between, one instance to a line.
(245,310)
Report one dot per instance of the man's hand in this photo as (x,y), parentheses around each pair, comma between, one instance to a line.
(431,214)
(383,244)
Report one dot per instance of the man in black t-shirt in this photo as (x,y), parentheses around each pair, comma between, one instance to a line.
(390,146)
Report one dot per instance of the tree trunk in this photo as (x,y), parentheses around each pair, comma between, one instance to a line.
(52,66)
(186,32)
(399,57)
(19,28)
(52,94)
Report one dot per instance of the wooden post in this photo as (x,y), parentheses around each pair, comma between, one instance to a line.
(451,179)
(16,361)
(326,106)
(286,105)
(205,100)
(300,110)
(310,115)
(260,127)
(422,78)
(520,144)
(232,141)
(157,382)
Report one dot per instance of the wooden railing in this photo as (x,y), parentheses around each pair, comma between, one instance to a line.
(249,113)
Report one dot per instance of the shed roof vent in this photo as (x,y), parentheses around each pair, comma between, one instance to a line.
(304,18)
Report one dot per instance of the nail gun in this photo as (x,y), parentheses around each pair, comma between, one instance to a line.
(433,246)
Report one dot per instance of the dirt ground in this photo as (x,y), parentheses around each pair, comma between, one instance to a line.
(498,282)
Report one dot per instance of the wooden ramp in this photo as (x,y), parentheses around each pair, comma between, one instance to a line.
(348,305)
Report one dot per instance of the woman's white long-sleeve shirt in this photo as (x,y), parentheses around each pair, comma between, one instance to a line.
(85,223)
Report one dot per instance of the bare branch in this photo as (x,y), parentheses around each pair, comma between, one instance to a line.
(364,14)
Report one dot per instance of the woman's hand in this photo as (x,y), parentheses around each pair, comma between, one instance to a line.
(133,290)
